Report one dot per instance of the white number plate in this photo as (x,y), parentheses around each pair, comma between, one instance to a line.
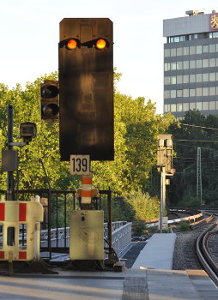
(79,164)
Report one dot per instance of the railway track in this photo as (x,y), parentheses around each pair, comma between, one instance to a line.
(185,255)
(205,250)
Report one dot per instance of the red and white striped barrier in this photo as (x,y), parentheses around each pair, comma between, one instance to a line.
(20,229)
(87,191)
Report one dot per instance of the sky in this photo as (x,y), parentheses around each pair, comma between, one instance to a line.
(29,31)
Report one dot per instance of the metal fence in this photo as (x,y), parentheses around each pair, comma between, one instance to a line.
(121,237)
(57,206)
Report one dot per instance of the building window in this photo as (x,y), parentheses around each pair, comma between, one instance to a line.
(167,80)
(173,79)
(198,63)
(166,52)
(192,50)
(192,78)
(179,79)
(173,107)
(199,49)
(173,94)
(199,92)
(205,77)
(192,92)
(179,106)
(198,77)
(192,105)
(212,48)
(205,48)
(166,94)
(205,105)
(186,106)
(212,62)
(179,65)
(173,52)
(199,105)
(176,39)
(212,105)
(185,93)
(186,50)
(166,107)
(167,67)
(213,35)
(205,91)
(192,64)
(185,65)
(173,66)
(185,78)
(212,91)
(212,76)
(179,52)
(205,63)
(179,94)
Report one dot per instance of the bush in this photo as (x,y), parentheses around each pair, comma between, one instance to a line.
(183,226)
(145,207)
(139,228)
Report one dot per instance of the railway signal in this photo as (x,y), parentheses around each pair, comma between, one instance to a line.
(86,88)
(165,167)
(49,100)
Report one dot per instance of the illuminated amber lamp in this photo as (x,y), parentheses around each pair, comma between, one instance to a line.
(72,44)
(101,44)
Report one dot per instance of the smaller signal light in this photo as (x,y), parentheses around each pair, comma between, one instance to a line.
(72,44)
(49,100)
(101,44)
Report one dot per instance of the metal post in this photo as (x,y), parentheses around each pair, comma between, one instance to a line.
(109,222)
(162,196)
(199,176)
(10,177)
(161,202)
(164,190)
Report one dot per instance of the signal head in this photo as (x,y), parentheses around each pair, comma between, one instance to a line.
(101,44)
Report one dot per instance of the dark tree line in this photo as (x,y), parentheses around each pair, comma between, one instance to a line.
(195,130)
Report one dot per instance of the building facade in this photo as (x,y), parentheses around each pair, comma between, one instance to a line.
(191,63)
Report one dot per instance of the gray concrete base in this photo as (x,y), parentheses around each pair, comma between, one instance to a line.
(158,253)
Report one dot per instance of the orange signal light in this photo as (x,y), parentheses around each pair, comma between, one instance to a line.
(101,44)
(72,44)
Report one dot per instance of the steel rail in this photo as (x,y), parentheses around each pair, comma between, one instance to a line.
(203,254)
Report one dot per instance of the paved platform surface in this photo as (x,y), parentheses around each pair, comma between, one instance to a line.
(131,284)
(158,252)
(149,279)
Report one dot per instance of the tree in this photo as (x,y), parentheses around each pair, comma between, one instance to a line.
(136,129)
(196,130)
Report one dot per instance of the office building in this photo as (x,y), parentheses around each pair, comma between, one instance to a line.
(191,63)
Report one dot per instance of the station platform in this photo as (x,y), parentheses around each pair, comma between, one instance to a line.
(158,252)
(131,284)
(150,278)
(163,283)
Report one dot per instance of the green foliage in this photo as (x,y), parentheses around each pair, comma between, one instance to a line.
(183,226)
(146,208)
(136,130)
(122,210)
(136,127)
(203,134)
(139,229)
(26,103)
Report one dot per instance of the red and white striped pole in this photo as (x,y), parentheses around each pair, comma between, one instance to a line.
(86,189)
